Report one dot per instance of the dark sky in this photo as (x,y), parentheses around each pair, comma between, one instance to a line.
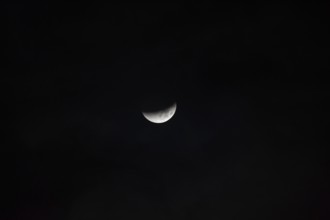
(247,140)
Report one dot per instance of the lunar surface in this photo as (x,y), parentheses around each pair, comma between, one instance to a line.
(160,116)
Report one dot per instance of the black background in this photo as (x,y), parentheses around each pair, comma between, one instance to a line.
(247,140)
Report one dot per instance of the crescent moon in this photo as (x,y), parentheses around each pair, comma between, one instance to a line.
(160,116)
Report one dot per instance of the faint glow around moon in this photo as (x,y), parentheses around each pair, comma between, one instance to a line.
(160,116)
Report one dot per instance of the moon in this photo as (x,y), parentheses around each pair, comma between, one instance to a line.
(160,116)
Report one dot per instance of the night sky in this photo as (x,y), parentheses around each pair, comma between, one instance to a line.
(248,137)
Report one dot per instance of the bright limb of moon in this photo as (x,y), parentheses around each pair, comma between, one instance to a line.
(160,116)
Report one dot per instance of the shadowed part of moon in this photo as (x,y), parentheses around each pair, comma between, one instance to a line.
(160,116)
